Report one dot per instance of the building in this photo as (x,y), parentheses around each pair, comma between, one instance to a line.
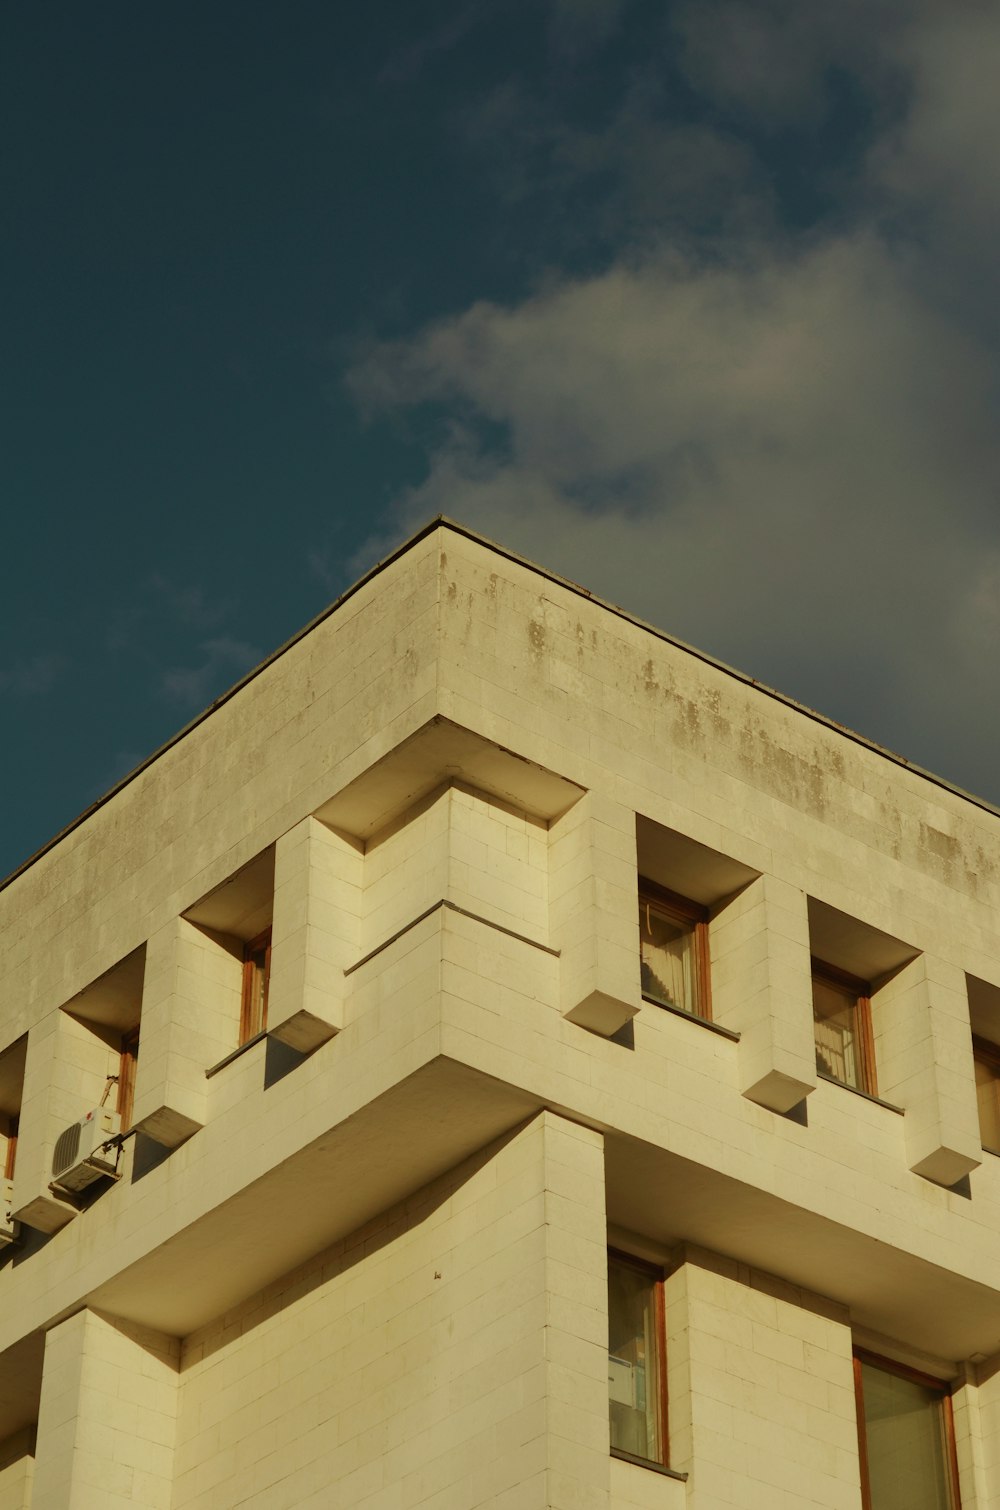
(499,1059)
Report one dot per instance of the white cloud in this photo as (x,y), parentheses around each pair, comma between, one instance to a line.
(787,455)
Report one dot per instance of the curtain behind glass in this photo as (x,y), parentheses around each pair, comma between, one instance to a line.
(835,1014)
(667,958)
(907,1454)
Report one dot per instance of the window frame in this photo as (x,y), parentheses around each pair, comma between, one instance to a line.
(861,991)
(986,1052)
(654,1273)
(683,910)
(127,1063)
(10,1157)
(250,1027)
(929,1381)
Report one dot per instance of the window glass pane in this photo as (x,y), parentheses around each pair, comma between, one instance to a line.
(666,949)
(988,1097)
(838,1051)
(633,1362)
(907,1453)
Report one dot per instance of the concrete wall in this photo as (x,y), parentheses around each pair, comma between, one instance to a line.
(450,1354)
(17,1471)
(760,1383)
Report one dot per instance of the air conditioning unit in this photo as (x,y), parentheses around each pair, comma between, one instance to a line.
(9,1229)
(80,1157)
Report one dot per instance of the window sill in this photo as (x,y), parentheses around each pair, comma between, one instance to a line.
(630,1457)
(856,1091)
(257,1038)
(703,1022)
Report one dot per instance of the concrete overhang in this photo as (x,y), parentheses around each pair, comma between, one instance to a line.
(440,752)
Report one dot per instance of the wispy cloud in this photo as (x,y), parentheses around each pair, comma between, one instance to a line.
(32,676)
(221,662)
(410,61)
(159,599)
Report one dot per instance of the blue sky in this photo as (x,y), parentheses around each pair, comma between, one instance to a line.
(694,303)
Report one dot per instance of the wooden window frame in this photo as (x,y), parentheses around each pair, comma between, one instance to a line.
(861,991)
(985,1052)
(929,1381)
(654,1273)
(249,1026)
(693,913)
(10,1158)
(126,1077)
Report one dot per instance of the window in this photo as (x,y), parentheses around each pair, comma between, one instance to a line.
(845,1048)
(126,1077)
(256,978)
(636,1371)
(987,1061)
(11,1154)
(905,1437)
(673,950)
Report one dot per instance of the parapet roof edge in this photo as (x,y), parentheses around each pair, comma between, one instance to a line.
(443,521)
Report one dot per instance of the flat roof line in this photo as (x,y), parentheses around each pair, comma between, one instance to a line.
(442,521)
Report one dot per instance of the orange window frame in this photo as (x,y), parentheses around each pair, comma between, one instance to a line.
(253,1006)
(939,1387)
(655,1275)
(683,910)
(861,992)
(126,1077)
(985,1052)
(10,1158)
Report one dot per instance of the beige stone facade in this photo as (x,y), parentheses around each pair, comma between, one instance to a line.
(359,1259)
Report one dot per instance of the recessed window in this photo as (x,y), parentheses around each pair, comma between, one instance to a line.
(906,1437)
(256,979)
(986,1056)
(845,1048)
(10,1156)
(673,950)
(636,1365)
(126,1077)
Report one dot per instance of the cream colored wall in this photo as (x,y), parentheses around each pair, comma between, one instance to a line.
(462,846)
(761,1392)
(108,1417)
(17,1471)
(635,1488)
(449,1355)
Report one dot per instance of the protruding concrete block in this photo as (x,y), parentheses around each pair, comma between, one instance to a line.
(761,987)
(593,913)
(190,1020)
(66,1073)
(923,1050)
(318,877)
(91,1449)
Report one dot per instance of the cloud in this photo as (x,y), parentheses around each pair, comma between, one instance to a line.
(778,445)
(223,661)
(32,677)
(790,462)
(776,61)
(578,26)
(409,62)
(167,604)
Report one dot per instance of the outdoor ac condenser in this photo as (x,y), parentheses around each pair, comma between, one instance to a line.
(79,1157)
(9,1229)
